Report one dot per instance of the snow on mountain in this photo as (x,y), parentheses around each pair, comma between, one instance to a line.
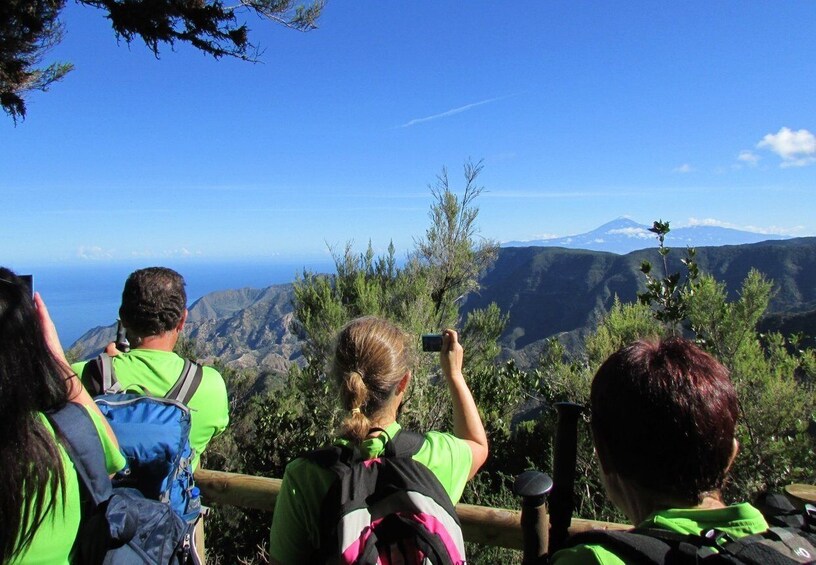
(624,235)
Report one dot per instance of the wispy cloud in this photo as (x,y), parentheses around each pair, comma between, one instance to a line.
(99,253)
(635,233)
(181,252)
(749,157)
(452,112)
(683,169)
(767,230)
(94,253)
(797,148)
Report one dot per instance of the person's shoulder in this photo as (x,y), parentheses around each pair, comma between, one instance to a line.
(211,374)
(449,459)
(212,385)
(443,443)
(585,555)
(308,475)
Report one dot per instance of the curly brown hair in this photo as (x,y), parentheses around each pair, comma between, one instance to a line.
(153,301)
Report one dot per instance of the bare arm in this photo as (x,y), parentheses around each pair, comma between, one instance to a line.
(467,424)
(76,392)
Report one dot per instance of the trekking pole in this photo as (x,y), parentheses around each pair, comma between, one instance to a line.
(122,343)
(532,487)
(562,499)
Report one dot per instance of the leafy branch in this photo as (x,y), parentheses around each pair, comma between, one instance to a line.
(667,294)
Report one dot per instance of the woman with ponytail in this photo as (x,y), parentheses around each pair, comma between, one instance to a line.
(371,369)
(39,502)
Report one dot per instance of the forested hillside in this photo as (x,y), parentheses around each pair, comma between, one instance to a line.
(548,290)
(545,291)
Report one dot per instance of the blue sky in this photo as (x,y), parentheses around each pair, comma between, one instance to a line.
(695,112)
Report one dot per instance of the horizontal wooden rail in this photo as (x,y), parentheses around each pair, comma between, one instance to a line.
(480,524)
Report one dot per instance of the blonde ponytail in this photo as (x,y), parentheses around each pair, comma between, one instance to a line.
(370,359)
(356,424)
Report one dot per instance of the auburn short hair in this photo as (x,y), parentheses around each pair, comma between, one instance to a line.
(664,414)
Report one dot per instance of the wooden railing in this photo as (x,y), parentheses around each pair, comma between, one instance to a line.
(498,527)
(480,524)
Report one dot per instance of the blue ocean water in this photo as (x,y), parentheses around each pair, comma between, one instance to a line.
(82,297)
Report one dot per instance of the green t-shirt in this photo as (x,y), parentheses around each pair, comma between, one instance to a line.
(737,520)
(295,533)
(53,541)
(157,371)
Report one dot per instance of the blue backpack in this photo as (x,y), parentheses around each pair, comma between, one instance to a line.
(153,434)
(119,525)
(391,509)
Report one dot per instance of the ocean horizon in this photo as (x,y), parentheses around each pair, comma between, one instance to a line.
(81,297)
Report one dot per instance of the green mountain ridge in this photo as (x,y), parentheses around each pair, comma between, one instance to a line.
(547,291)
(550,290)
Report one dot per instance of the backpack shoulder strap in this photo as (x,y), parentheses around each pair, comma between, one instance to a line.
(98,373)
(405,443)
(336,458)
(646,546)
(778,545)
(81,441)
(187,383)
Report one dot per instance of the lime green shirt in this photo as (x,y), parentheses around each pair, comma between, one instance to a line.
(157,371)
(737,520)
(55,537)
(295,533)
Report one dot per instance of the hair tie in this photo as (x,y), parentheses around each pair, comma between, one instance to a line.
(355,411)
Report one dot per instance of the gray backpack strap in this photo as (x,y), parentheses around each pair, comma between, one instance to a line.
(187,383)
(99,377)
(109,382)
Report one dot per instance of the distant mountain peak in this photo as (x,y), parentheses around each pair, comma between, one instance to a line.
(624,235)
(620,223)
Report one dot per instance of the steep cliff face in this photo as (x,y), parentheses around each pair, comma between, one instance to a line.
(246,328)
(546,291)
(250,330)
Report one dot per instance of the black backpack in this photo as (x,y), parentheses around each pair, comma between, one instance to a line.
(119,526)
(790,539)
(389,506)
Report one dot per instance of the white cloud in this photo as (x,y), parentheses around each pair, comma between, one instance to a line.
(683,169)
(93,253)
(767,230)
(709,222)
(638,233)
(749,157)
(797,148)
(181,252)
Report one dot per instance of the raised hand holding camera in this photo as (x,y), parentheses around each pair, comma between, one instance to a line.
(451,354)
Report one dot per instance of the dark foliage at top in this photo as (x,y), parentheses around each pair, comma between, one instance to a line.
(29,28)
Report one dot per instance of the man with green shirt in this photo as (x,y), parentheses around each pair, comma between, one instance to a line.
(153,311)
(664,417)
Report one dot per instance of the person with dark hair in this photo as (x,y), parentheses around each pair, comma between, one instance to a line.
(664,417)
(372,371)
(154,311)
(40,500)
